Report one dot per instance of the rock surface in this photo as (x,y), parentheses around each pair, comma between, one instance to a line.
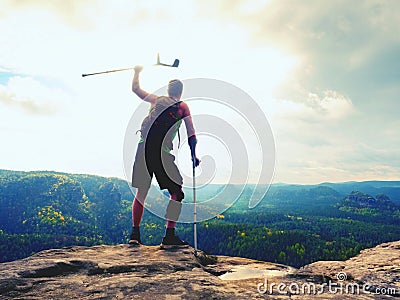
(147,272)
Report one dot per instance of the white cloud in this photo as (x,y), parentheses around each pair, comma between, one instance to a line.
(330,105)
(324,107)
(32,96)
(347,48)
(73,12)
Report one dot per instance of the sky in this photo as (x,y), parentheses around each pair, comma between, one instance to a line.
(326,74)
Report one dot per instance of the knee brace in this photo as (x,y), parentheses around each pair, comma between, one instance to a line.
(178,192)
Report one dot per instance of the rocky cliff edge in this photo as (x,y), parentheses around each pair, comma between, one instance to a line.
(147,272)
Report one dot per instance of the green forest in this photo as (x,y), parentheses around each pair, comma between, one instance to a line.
(293,224)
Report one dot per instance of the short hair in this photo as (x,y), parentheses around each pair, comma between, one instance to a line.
(175,87)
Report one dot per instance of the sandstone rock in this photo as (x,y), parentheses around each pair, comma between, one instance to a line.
(378,267)
(146,272)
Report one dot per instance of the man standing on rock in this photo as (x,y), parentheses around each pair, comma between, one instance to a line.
(153,156)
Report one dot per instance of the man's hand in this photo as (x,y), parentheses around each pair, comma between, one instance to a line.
(138,69)
(192,141)
(195,161)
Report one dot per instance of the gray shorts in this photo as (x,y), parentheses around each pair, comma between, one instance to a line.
(150,161)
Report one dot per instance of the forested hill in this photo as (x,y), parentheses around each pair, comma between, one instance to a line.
(293,224)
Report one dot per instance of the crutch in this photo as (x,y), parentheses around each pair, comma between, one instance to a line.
(194,202)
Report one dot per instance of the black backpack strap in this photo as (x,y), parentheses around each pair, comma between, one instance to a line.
(179,139)
(179,133)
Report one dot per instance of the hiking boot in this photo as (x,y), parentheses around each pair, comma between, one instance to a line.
(173,241)
(135,238)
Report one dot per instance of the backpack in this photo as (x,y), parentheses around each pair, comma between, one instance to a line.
(156,127)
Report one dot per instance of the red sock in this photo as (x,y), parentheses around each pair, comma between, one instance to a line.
(171,224)
(137,212)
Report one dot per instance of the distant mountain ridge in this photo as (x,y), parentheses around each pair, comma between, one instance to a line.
(372,187)
(389,188)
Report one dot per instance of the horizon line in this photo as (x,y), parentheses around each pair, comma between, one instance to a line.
(223,183)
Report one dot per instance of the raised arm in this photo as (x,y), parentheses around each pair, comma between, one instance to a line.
(138,91)
(192,140)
